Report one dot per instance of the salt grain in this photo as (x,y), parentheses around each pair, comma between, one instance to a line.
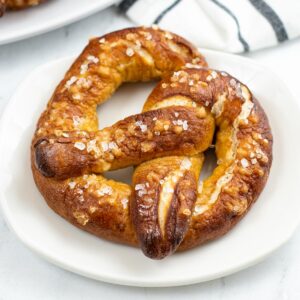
(104,146)
(79,145)
(70,81)
(244,163)
(106,190)
(72,184)
(129,52)
(93,59)
(124,202)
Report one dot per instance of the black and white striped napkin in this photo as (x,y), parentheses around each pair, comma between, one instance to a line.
(227,25)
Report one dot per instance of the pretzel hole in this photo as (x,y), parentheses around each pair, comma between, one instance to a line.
(121,175)
(126,101)
(210,163)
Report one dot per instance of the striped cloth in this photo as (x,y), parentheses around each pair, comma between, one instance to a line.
(227,25)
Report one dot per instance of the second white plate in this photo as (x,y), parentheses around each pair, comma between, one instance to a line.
(18,25)
(268,225)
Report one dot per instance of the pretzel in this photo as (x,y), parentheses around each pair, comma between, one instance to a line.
(165,209)
(17,4)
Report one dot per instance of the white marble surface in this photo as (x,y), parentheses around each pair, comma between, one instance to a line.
(24,275)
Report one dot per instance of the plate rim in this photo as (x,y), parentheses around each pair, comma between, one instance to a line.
(98,6)
(119,279)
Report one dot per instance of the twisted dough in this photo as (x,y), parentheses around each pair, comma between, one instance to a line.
(164,210)
(17,4)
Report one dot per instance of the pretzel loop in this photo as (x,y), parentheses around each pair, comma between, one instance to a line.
(166,208)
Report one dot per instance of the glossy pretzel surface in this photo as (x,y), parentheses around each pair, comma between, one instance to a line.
(165,208)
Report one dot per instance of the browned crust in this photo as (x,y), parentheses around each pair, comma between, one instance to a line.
(108,216)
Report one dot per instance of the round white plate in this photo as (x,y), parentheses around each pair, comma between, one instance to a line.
(18,25)
(268,225)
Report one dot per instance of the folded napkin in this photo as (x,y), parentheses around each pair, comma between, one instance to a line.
(227,25)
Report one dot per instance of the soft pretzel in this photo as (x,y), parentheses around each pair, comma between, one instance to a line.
(17,4)
(165,209)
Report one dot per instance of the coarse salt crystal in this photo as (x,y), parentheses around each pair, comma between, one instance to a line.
(138,44)
(199,209)
(104,146)
(142,126)
(72,184)
(185,164)
(185,125)
(93,59)
(124,202)
(79,145)
(129,52)
(76,96)
(253,161)
(141,193)
(139,186)
(192,66)
(76,120)
(83,68)
(70,81)
(91,145)
(84,82)
(244,163)
(106,190)
(112,145)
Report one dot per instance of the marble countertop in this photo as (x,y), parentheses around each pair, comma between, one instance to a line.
(24,275)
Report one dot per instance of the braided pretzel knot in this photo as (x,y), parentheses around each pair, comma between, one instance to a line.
(17,4)
(165,208)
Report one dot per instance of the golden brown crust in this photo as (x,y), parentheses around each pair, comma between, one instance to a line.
(163,209)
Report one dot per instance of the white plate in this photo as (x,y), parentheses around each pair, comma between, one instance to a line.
(268,225)
(18,25)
